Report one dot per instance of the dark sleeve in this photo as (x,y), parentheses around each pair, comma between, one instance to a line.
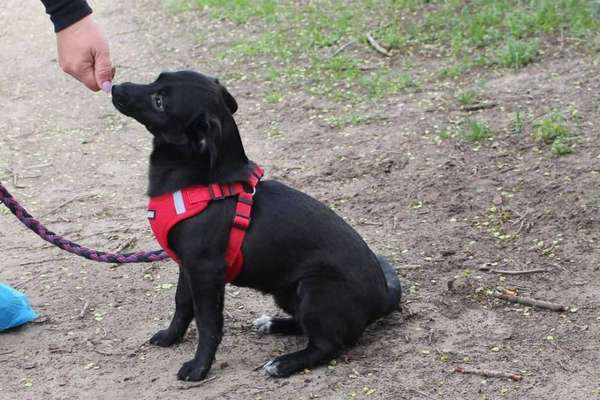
(66,12)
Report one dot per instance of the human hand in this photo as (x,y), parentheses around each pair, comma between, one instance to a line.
(84,54)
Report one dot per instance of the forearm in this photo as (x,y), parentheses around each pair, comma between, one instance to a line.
(66,12)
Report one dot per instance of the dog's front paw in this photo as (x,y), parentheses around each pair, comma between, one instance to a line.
(272,368)
(163,338)
(263,324)
(192,371)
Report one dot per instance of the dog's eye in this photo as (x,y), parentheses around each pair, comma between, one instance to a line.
(158,102)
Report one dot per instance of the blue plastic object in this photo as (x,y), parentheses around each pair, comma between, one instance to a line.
(15,309)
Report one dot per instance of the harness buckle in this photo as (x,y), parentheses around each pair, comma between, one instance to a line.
(241,221)
(246,200)
(211,191)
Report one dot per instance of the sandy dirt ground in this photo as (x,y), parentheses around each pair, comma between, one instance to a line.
(436,208)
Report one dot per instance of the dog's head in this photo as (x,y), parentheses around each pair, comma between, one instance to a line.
(180,108)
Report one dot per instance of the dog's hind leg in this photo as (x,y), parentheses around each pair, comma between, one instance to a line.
(284,326)
(184,313)
(329,326)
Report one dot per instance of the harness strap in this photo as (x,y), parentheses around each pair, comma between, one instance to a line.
(240,224)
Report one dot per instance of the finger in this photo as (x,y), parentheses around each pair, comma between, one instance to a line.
(103,69)
(87,78)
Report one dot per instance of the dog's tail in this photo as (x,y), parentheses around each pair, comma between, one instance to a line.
(393,285)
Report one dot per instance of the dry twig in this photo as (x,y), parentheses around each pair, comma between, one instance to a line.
(38,166)
(488,373)
(377,46)
(65,203)
(342,48)
(83,310)
(512,272)
(480,106)
(409,266)
(126,244)
(42,261)
(513,298)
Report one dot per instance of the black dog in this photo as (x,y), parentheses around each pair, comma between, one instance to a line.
(318,269)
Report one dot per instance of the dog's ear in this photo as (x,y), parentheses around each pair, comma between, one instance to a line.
(212,139)
(204,134)
(228,98)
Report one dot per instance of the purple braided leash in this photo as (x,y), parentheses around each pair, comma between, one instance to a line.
(49,236)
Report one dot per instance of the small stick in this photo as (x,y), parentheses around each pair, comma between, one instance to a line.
(377,46)
(368,68)
(124,230)
(489,373)
(37,166)
(512,272)
(409,266)
(84,310)
(43,261)
(260,366)
(126,244)
(477,107)
(61,205)
(342,48)
(187,387)
(529,301)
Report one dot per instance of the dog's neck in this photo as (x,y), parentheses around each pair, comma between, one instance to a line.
(174,167)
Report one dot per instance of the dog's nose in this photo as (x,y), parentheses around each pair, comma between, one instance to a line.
(117,90)
(119,96)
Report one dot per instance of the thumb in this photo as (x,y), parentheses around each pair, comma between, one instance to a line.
(103,69)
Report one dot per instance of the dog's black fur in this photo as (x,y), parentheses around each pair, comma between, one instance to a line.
(318,269)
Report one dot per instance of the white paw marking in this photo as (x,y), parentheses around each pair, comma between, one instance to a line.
(263,324)
(272,368)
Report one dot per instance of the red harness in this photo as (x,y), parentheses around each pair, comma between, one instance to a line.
(166,210)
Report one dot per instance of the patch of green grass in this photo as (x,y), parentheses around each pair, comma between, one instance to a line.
(551,128)
(384,83)
(238,11)
(273,97)
(351,119)
(302,44)
(475,131)
(517,53)
(467,97)
(480,23)
(443,135)
(562,146)
(518,125)
(391,37)
(554,132)
(454,71)
(273,44)
(179,6)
